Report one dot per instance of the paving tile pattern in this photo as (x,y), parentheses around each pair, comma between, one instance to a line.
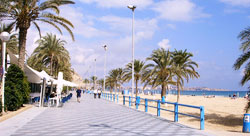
(94,117)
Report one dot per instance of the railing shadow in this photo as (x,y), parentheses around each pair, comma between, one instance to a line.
(213,118)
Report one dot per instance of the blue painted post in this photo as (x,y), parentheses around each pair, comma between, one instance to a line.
(117,98)
(129,101)
(146,105)
(202,121)
(114,97)
(163,99)
(110,97)
(176,112)
(124,100)
(158,108)
(137,102)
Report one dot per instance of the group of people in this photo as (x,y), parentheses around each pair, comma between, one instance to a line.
(97,92)
(79,91)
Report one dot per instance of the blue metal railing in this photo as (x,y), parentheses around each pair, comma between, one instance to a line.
(158,107)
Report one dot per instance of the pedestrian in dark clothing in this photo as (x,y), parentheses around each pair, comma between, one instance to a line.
(78,94)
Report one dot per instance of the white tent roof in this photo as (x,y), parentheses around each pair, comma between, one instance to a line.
(66,83)
(45,75)
(35,76)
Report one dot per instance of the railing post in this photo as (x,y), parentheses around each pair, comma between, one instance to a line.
(114,97)
(202,120)
(176,112)
(158,108)
(117,98)
(136,102)
(124,100)
(110,97)
(139,100)
(129,101)
(146,105)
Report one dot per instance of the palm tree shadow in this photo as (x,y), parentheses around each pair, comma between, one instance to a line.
(230,120)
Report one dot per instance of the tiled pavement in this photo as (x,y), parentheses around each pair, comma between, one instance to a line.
(101,117)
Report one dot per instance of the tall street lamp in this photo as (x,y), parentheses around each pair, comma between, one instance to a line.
(105,61)
(4,36)
(132,7)
(95,76)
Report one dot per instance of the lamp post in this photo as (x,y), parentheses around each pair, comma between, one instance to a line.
(95,76)
(105,61)
(4,36)
(132,7)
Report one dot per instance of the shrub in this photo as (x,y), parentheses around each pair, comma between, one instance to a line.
(13,98)
(17,89)
(17,76)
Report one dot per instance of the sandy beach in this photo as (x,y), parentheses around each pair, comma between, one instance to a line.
(223,115)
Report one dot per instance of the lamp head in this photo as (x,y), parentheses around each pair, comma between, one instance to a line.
(132,7)
(5,36)
(105,47)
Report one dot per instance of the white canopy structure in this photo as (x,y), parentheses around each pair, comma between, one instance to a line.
(35,76)
(65,83)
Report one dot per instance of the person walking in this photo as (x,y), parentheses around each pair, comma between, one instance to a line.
(95,93)
(78,94)
(99,93)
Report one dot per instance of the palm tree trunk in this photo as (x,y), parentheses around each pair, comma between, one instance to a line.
(22,46)
(115,88)
(163,90)
(178,88)
(51,64)
(136,88)
(111,90)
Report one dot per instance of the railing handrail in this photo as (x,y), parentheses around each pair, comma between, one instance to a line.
(158,107)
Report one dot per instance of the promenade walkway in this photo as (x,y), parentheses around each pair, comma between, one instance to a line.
(100,117)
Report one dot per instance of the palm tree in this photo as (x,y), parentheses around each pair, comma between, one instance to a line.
(139,70)
(93,80)
(51,52)
(11,45)
(184,68)
(244,37)
(109,83)
(28,12)
(86,82)
(161,70)
(115,76)
(101,83)
(4,4)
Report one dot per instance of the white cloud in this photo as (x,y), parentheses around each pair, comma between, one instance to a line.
(244,3)
(119,3)
(179,10)
(123,25)
(83,24)
(172,26)
(164,44)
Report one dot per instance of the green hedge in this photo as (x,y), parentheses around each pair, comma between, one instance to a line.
(13,98)
(17,88)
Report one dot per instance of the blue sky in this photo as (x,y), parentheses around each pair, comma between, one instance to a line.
(207,28)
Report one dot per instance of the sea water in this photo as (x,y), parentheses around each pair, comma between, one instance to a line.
(202,93)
